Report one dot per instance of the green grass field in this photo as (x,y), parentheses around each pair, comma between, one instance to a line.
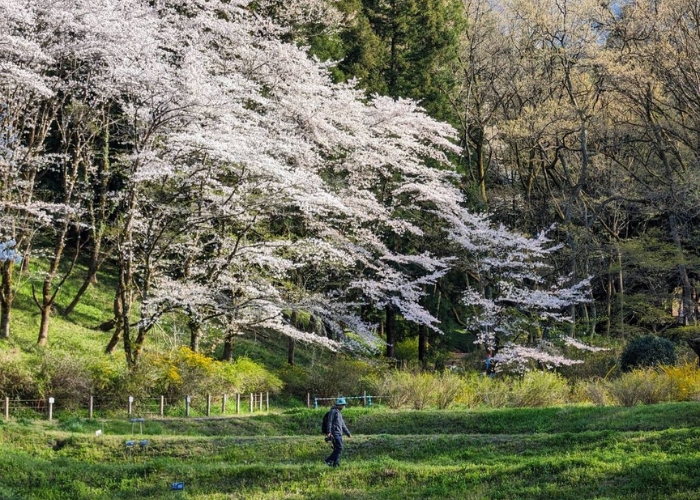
(553,453)
(572,452)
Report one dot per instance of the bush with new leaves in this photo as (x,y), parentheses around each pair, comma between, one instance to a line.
(647,386)
(597,391)
(684,381)
(344,377)
(421,390)
(185,372)
(538,388)
(245,375)
(16,379)
(448,388)
(647,351)
(396,387)
(66,378)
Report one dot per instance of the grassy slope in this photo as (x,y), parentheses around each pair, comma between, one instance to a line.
(604,453)
(78,335)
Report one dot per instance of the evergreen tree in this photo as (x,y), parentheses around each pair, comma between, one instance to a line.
(403,48)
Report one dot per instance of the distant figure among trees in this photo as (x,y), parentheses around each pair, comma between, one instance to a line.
(490,364)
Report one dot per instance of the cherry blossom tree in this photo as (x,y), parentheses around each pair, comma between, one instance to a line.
(26,116)
(229,136)
(516,305)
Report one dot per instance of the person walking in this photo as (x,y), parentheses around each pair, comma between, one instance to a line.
(337,429)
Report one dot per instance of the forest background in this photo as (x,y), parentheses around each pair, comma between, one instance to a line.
(235,170)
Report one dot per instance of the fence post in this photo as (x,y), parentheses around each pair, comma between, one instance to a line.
(364,398)
(261,401)
(51,401)
(131,402)
(208,405)
(251,402)
(308,400)
(162,405)
(7,408)
(238,403)
(187,406)
(267,401)
(223,405)
(91,406)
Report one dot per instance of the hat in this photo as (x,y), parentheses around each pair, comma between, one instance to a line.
(341,402)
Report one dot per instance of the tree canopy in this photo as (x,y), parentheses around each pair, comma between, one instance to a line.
(238,163)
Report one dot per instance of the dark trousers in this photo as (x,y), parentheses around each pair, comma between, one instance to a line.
(334,457)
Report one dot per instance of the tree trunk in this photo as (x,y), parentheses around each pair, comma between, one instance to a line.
(422,343)
(689,308)
(96,223)
(195,334)
(227,355)
(621,291)
(90,279)
(125,276)
(4,321)
(7,297)
(114,341)
(291,344)
(390,330)
(118,325)
(44,327)
(609,287)
(476,136)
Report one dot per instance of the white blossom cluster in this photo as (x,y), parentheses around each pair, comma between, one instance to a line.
(511,301)
(7,252)
(518,358)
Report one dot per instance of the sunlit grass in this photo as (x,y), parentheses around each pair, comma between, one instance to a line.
(280,456)
(567,452)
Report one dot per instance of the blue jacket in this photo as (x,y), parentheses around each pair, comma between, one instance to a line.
(337,423)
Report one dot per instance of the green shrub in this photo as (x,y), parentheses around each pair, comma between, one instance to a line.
(597,392)
(296,380)
(407,349)
(66,378)
(448,388)
(245,375)
(647,351)
(539,388)
(344,377)
(684,381)
(470,395)
(16,379)
(187,373)
(646,386)
(493,392)
(395,386)
(421,389)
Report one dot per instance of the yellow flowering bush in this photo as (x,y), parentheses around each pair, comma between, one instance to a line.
(185,372)
(684,381)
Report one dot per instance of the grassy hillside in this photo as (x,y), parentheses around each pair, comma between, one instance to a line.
(564,453)
(78,335)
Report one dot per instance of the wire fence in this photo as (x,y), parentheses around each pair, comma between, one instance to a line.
(365,400)
(96,406)
(102,407)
